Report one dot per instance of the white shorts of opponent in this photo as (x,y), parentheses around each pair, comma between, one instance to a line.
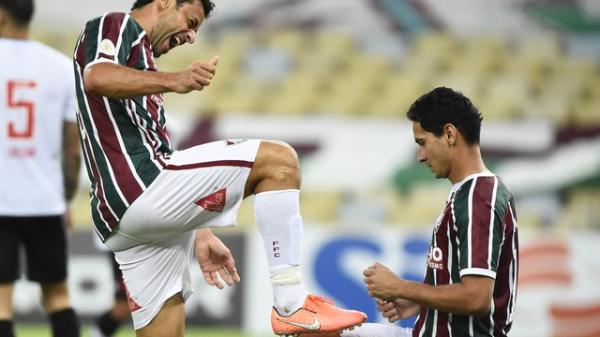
(200,187)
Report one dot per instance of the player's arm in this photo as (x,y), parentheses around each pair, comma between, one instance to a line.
(118,81)
(397,309)
(472,296)
(71,158)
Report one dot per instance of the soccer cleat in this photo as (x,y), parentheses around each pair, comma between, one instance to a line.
(317,317)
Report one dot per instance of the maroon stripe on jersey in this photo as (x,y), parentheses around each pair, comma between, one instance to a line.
(234,163)
(503,282)
(103,205)
(481,209)
(443,275)
(116,158)
(420,323)
(135,55)
(111,29)
(442,325)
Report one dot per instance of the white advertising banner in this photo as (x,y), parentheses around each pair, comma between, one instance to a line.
(559,275)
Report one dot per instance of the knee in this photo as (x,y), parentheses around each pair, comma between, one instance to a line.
(277,166)
(55,297)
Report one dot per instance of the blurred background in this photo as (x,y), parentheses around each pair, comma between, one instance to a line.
(334,78)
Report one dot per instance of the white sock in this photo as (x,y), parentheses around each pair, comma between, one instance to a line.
(377,330)
(278,218)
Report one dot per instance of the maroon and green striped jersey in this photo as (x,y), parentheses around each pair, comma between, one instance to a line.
(124,141)
(475,234)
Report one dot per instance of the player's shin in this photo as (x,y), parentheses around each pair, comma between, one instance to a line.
(278,218)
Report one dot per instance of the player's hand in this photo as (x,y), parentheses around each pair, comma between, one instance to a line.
(215,259)
(396,309)
(381,282)
(197,76)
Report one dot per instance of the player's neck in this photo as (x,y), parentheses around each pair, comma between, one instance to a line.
(145,17)
(13,32)
(468,161)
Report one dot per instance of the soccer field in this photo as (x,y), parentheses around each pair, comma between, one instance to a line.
(30,330)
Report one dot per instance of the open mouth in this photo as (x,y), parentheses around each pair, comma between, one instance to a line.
(174,41)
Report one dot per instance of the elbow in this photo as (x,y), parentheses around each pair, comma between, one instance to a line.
(479,307)
(90,82)
(94,83)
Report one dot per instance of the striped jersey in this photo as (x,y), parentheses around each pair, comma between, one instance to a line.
(124,141)
(475,234)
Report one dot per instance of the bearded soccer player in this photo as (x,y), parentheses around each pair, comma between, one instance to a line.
(39,167)
(470,285)
(153,206)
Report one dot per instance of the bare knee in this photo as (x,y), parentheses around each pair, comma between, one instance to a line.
(55,297)
(276,167)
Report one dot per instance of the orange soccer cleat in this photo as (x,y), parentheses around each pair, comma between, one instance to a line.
(317,317)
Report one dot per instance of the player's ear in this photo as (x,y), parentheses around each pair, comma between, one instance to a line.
(165,4)
(450,134)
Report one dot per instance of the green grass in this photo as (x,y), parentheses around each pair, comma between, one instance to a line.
(30,330)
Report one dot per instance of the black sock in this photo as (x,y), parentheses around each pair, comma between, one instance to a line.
(6,328)
(65,323)
(107,324)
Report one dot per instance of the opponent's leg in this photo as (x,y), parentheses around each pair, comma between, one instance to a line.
(6,311)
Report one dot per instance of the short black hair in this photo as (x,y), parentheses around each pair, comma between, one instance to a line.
(443,105)
(21,11)
(207,5)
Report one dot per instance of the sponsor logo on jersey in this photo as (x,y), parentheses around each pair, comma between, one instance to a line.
(107,47)
(435,258)
(214,202)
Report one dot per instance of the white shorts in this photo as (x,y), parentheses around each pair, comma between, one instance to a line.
(200,187)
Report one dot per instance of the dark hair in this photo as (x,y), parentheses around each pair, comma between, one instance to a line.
(207,5)
(443,105)
(21,11)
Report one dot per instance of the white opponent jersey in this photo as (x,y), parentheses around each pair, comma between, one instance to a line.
(37,95)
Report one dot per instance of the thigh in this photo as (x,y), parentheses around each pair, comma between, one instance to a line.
(9,250)
(169,322)
(153,273)
(46,248)
(200,187)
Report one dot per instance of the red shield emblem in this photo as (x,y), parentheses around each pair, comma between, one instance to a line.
(214,202)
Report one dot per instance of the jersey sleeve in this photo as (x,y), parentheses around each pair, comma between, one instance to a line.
(479,229)
(69,112)
(109,39)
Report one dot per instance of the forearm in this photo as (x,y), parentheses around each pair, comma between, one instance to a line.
(202,234)
(117,81)
(454,298)
(71,160)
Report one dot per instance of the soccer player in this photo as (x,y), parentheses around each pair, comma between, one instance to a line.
(39,166)
(153,206)
(470,285)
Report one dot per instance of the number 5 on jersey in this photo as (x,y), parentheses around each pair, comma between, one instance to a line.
(23,130)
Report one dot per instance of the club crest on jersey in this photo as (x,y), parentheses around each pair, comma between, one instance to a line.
(107,47)
(214,202)
(234,141)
